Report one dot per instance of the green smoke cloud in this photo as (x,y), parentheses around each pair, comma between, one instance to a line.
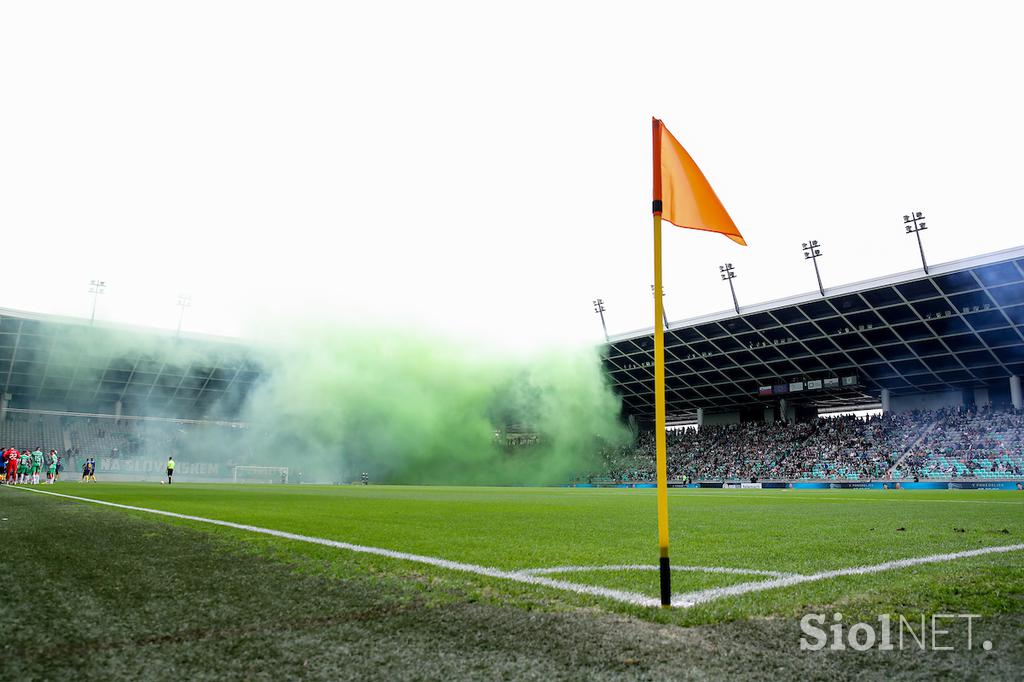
(400,404)
(414,408)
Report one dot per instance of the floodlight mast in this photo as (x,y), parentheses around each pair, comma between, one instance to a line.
(96,288)
(915,223)
(599,309)
(728,273)
(812,253)
(184,301)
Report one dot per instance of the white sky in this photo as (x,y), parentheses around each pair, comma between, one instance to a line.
(488,167)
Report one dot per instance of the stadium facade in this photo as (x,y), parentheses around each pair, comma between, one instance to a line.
(66,365)
(127,397)
(913,340)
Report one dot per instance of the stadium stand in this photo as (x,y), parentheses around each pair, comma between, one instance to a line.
(968,444)
(30,431)
(911,340)
(105,438)
(933,444)
(941,353)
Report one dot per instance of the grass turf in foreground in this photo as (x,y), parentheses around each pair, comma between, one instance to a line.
(155,599)
(515,528)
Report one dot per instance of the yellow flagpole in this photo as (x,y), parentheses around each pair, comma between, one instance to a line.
(659,421)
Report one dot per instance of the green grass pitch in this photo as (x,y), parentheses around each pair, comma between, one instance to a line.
(541,529)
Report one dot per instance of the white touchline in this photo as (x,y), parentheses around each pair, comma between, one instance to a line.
(593,590)
(528,576)
(703,596)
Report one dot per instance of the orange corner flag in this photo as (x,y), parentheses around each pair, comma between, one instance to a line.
(682,194)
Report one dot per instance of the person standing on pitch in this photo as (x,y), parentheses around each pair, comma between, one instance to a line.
(51,468)
(90,470)
(12,465)
(25,466)
(37,465)
(170,469)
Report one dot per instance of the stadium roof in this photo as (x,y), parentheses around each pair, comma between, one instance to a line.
(961,326)
(51,362)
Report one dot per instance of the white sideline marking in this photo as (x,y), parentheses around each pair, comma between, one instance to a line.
(703,596)
(652,567)
(685,600)
(515,576)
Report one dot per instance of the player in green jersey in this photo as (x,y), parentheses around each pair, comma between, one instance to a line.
(37,465)
(24,466)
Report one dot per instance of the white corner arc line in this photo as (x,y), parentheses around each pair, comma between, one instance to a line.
(703,596)
(593,590)
(653,567)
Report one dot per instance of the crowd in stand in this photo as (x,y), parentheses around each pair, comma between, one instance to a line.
(126,439)
(973,443)
(946,443)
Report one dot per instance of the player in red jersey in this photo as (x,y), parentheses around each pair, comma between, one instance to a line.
(12,466)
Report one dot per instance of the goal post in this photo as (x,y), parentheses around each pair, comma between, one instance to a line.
(254,474)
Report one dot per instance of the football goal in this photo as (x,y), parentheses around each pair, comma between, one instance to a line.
(250,474)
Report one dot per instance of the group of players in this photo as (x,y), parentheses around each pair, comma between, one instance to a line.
(25,466)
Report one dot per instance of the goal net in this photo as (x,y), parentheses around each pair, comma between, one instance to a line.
(250,474)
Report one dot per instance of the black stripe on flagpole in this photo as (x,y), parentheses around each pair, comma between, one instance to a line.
(666,581)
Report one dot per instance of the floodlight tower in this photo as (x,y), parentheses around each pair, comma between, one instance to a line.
(812,253)
(728,273)
(915,223)
(184,301)
(96,287)
(664,315)
(599,309)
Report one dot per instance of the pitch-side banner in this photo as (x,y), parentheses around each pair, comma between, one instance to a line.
(149,466)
